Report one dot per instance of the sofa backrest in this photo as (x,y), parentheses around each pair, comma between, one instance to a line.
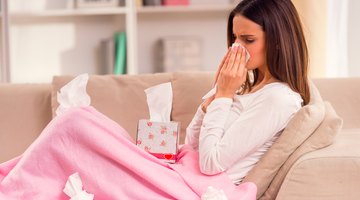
(344,96)
(122,98)
(25,110)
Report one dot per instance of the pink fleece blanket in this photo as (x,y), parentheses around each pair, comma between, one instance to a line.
(110,165)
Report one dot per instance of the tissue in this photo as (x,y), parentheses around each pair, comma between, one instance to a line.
(159,99)
(213,194)
(213,90)
(73,94)
(74,188)
(247,56)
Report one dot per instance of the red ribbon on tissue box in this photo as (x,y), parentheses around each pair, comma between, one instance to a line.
(160,139)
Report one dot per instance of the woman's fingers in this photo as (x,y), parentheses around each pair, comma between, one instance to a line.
(242,62)
(232,61)
(222,64)
(227,62)
(237,61)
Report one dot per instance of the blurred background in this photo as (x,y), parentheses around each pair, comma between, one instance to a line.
(43,38)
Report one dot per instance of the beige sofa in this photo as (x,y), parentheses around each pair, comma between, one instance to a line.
(332,172)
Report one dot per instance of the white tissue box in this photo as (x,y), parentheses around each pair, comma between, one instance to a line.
(160,139)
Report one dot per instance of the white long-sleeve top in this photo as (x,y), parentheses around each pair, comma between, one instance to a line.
(234,133)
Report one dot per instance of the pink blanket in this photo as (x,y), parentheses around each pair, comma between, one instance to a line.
(110,165)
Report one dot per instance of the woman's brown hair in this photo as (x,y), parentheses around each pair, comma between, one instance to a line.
(286,49)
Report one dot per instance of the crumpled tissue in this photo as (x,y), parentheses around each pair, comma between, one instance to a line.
(213,90)
(213,194)
(73,94)
(74,188)
(159,99)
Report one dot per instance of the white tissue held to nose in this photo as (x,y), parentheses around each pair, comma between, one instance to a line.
(235,44)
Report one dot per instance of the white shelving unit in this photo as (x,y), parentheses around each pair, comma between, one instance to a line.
(4,53)
(70,12)
(58,41)
(184,9)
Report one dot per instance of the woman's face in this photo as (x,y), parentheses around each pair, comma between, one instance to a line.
(252,37)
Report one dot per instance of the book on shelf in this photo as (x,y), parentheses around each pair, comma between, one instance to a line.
(175,2)
(162,2)
(120,53)
(152,2)
(139,3)
(107,56)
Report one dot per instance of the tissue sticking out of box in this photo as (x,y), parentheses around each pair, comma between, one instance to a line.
(73,94)
(159,99)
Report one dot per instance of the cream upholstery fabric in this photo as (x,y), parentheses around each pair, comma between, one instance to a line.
(323,136)
(344,95)
(330,173)
(189,88)
(121,98)
(24,111)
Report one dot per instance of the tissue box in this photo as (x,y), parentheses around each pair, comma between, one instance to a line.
(160,139)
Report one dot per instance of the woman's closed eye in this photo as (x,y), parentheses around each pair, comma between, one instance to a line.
(249,41)
(245,38)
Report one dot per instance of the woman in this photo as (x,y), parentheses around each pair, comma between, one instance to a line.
(231,131)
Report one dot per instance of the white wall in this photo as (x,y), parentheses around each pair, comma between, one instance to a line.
(209,27)
(354,38)
(45,47)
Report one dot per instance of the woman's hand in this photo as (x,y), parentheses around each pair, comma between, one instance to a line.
(232,74)
(207,101)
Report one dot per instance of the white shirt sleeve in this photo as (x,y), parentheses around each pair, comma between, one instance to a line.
(220,149)
(193,130)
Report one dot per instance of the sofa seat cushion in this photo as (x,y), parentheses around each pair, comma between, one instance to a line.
(321,174)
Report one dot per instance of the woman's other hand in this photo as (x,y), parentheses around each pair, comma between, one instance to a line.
(232,73)
(206,103)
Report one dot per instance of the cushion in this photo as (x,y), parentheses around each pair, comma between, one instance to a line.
(189,88)
(121,98)
(298,129)
(323,136)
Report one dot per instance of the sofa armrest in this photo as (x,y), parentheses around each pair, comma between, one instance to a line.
(329,173)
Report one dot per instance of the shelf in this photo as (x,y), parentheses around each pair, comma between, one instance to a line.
(70,12)
(184,9)
(122,10)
